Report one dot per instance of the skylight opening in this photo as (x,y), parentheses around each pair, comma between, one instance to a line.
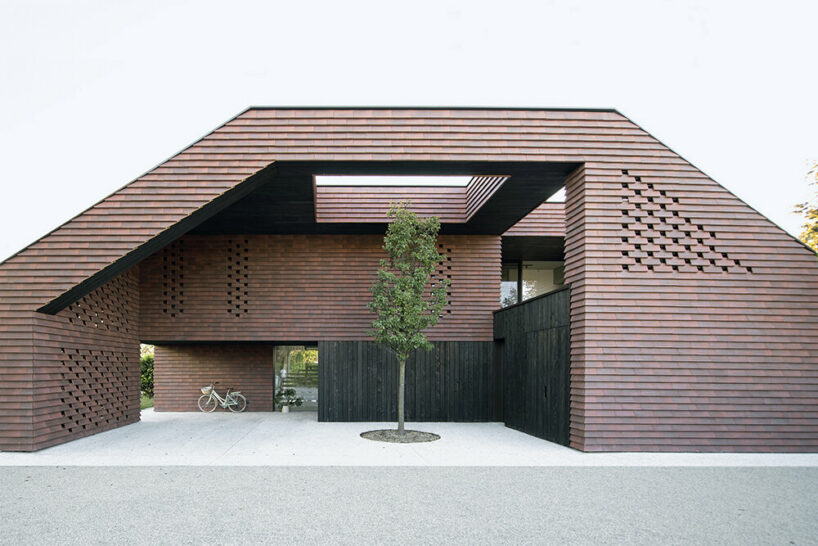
(397,180)
(558,197)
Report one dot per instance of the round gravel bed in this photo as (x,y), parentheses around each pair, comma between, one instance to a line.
(392,436)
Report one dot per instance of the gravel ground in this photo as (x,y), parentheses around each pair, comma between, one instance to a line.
(312,505)
(394,437)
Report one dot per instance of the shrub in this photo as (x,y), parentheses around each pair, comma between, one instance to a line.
(147,375)
(287,397)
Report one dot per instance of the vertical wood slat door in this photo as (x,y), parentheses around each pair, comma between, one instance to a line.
(534,348)
(358,381)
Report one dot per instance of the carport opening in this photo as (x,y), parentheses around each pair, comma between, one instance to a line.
(296,369)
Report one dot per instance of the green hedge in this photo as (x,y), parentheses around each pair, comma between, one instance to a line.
(147,375)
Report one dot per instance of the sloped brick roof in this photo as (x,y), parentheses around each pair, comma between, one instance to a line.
(150,205)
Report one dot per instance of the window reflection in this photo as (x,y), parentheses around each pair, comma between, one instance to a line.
(529,279)
(509,285)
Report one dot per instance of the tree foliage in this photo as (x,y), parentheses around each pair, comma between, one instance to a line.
(809,210)
(146,374)
(406,298)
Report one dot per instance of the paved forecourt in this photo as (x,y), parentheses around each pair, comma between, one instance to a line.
(297,439)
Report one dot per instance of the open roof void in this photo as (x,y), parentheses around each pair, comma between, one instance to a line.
(353,197)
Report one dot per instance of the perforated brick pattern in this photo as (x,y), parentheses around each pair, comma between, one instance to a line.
(661,238)
(95,389)
(444,271)
(238,277)
(308,288)
(105,309)
(173,278)
(86,364)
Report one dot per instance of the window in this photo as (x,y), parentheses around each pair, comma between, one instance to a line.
(509,286)
(529,279)
(296,367)
(541,277)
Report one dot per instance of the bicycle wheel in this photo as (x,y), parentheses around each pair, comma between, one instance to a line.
(240,403)
(207,403)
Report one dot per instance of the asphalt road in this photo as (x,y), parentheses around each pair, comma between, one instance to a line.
(361,505)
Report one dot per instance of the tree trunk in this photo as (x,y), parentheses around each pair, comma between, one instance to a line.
(401,388)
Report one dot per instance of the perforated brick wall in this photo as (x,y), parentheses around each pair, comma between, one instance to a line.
(86,364)
(694,320)
(305,288)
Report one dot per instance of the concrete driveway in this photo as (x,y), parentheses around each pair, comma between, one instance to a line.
(297,439)
(407,505)
(173,479)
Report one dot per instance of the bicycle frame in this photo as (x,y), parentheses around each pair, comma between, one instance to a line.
(225,402)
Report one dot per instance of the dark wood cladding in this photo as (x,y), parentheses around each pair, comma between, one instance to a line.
(299,287)
(694,327)
(534,355)
(547,220)
(180,372)
(358,381)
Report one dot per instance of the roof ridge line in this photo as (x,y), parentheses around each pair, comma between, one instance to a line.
(492,108)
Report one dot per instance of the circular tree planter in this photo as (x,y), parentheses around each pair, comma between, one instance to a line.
(394,437)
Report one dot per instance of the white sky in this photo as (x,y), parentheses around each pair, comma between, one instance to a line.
(95,93)
(401,180)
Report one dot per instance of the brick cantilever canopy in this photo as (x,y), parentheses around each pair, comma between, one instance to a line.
(137,219)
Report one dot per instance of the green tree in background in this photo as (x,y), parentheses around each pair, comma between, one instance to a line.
(146,373)
(406,297)
(809,210)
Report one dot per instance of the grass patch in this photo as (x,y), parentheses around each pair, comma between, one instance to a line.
(146,401)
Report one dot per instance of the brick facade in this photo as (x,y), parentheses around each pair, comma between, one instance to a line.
(694,320)
(300,288)
(181,370)
(86,364)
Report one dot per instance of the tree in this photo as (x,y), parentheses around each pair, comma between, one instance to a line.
(406,296)
(146,374)
(809,210)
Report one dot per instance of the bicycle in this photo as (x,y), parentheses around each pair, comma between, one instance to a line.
(234,401)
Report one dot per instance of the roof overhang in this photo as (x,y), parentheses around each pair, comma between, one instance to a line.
(498,196)
(497,203)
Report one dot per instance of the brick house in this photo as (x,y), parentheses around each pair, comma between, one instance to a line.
(651,311)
